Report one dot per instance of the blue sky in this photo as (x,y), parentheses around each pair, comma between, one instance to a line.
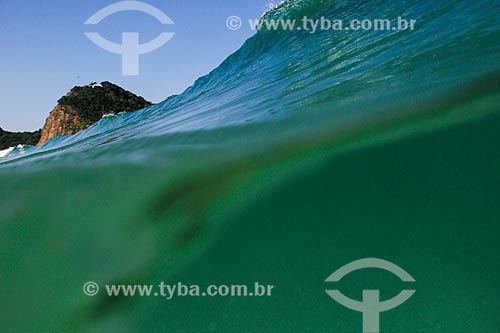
(44,51)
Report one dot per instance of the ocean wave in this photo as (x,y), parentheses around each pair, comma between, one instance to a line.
(6,152)
(337,76)
(299,154)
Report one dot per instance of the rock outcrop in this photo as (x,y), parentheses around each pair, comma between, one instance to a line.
(83,106)
(63,120)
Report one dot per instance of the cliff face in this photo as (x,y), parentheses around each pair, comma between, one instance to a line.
(63,120)
(83,106)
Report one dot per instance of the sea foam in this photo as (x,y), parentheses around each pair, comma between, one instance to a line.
(5,152)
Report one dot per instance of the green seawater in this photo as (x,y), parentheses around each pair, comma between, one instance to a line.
(299,154)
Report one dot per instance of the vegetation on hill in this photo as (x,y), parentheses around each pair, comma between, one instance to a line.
(12,139)
(93,101)
(89,102)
